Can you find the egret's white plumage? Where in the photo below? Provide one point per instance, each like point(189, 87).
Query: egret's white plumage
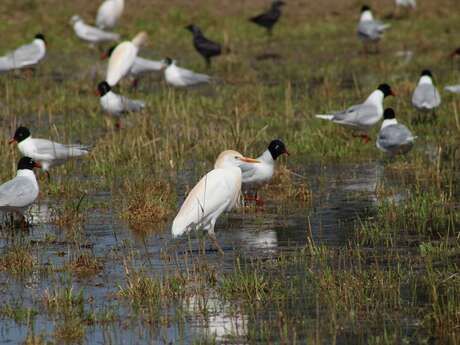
point(17, 194)
point(90, 33)
point(122, 58)
point(426, 96)
point(394, 138)
point(362, 116)
point(115, 104)
point(215, 193)
point(108, 13)
point(47, 153)
point(181, 77)
point(25, 56)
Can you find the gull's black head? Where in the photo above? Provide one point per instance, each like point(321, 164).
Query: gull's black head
point(386, 89)
point(426, 72)
point(388, 114)
point(168, 61)
point(40, 37)
point(102, 88)
point(278, 3)
point(27, 163)
point(365, 8)
point(277, 148)
point(21, 134)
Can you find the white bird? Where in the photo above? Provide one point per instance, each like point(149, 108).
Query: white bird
point(394, 138)
point(363, 116)
point(426, 96)
point(217, 192)
point(122, 58)
point(17, 194)
point(406, 3)
point(453, 88)
point(108, 13)
point(46, 152)
point(90, 33)
point(26, 55)
point(140, 65)
point(255, 175)
point(369, 29)
point(181, 77)
point(117, 105)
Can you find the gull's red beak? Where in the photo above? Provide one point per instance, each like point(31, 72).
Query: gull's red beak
point(12, 141)
point(286, 152)
point(393, 93)
point(104, 56)
point(98, 94)
point(37, 165)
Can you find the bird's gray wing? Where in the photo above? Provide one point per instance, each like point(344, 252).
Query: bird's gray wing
point(132, 105)
point(371, 29)
point(27, 54)
point(426, 96)
point(18, 192)
point(59, 151)
point(96, 34)
point(193, 78)
point(360, 115)
point(142, 65)
point(394, 136)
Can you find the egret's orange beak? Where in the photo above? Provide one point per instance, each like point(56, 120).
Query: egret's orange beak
point(37, 165)
point(12, 141)
point(248, 160)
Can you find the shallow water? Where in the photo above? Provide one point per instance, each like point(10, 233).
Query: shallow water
point(342, 195)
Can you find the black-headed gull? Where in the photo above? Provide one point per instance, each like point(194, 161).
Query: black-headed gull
point(117, 105)
point(48, 153)
point(217, 192)
point(365, 115)
point(369, 29)
point(122, 58)
point(426, 96)
point(90, 33)
point(108, 13)
point(26, 55)
point(394, 138)
point(204, 46)
point(17, 194)
point(181, 77)
point(255, 175)
point(270, 18)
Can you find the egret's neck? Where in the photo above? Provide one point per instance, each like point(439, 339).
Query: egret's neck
point(388, 122)
point(366, 15)
point(266, 157)
point(375, 98)
point(26, 173)
point(425, 80)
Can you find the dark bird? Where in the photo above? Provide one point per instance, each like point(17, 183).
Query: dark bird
point(269, 18)
point(204, 46)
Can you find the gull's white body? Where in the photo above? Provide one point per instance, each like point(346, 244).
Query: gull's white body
point(217, 192)
point(92, 34)
point(370, 29)
point(25, 56)
point(394, 138)
point(259, 173)
point(406, 3)
point(122, 59)
point(426, 97)
point(143, 66)
point(362, 116)
point(49, 153)
point(181, 77)
point(109, 13)
point(117, 105)
point(17, 194)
